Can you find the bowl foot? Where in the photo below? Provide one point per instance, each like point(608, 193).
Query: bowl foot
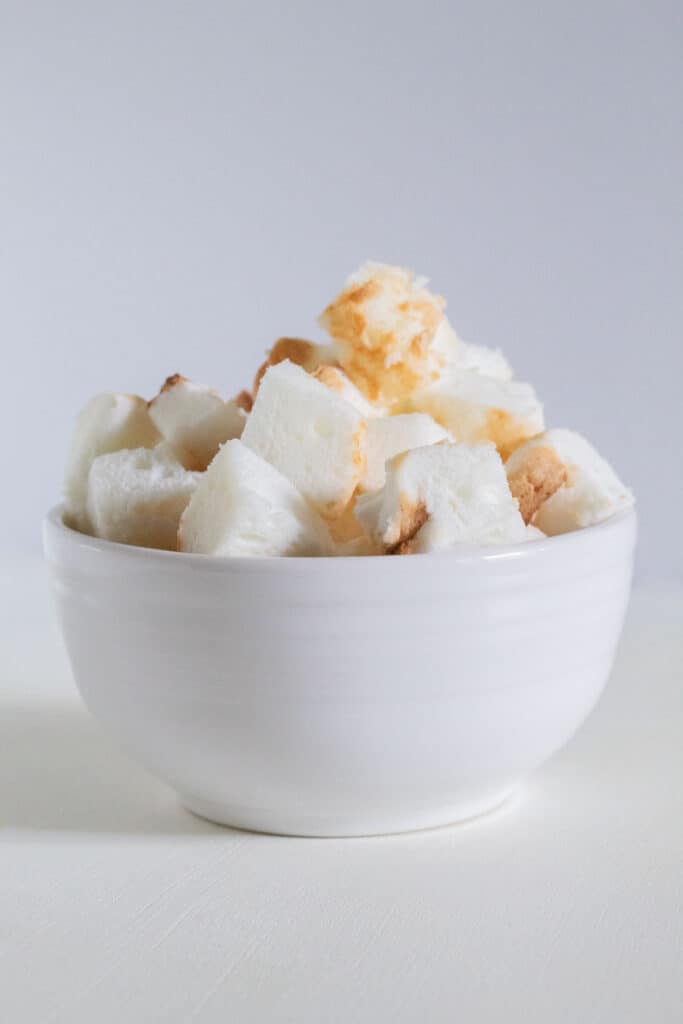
point(322, 826)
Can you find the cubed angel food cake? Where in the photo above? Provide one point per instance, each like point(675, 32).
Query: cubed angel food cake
point(392, 437)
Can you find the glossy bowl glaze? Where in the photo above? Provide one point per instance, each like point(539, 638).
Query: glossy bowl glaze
point(343, 696)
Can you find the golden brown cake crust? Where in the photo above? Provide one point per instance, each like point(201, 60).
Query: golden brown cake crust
point(170, 383)
point(506, 431)
point(297, 350)
point(244, 401)
point(412, 518)
point(541, 474)
point(383, 356)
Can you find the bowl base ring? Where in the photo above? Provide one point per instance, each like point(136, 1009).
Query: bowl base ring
point(340, 827)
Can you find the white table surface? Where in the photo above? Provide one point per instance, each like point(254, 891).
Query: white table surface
point(116, 905)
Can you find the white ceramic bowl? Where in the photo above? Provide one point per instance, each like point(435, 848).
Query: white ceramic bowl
point(347, 696)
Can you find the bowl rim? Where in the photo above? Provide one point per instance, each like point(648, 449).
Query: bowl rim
point(54, 522)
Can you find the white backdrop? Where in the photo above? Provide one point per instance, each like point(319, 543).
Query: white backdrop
point(180, 183)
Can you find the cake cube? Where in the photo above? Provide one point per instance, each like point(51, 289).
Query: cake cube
point(310, 434)
point(442, 496)
point(390, 333)
point(195, 420)
point(136, 496)
point(244, 507)
point(588, 492)
point(109, 422)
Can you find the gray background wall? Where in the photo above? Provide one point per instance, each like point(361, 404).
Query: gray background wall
point(182, 182)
